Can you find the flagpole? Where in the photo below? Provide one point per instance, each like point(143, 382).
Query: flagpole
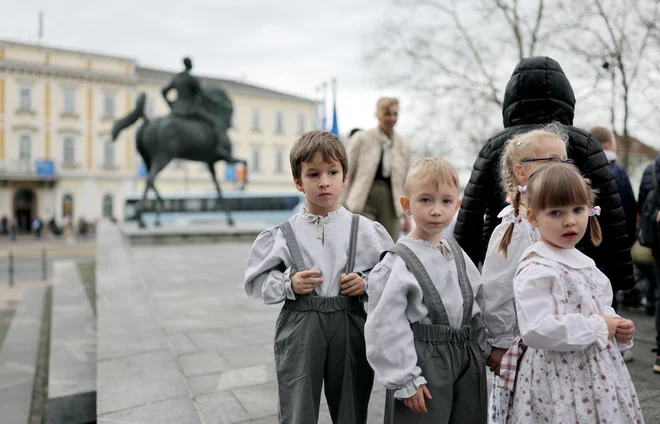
point(335, 124)
point(41, 26)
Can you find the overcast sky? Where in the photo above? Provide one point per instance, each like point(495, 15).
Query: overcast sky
point(289, 45)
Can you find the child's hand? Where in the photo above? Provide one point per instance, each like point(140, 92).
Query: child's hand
point(352, 285)
point(303, 282)
point(612, 323)
point(625, 330)
point(495, 359)
point(416, 401)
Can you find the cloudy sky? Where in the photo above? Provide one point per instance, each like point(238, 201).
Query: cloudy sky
point(289, 45)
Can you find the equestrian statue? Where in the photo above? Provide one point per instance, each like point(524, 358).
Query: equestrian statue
point(195, 129)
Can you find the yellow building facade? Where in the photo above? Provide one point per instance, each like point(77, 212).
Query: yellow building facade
point(57, 108)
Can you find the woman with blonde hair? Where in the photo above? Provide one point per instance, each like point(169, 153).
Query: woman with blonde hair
point(378, 161)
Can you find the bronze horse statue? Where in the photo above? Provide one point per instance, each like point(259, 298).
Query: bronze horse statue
point(174, 137)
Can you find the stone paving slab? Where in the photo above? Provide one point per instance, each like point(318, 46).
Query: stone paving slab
point(197, 291)
point(72, 368)
point(138, 377)
point(18, 357)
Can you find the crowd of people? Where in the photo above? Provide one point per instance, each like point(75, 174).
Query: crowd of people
point(525, 289)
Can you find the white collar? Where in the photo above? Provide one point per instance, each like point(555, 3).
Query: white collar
point(572, 258)
point(610, 155)
point(522, 211)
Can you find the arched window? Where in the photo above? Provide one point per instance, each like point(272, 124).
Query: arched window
point(69, 151)
point(109, 152)
point(107, 206)
point(25, 148)
point(67, 205)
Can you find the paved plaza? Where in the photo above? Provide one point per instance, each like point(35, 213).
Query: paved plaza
point(223, 341)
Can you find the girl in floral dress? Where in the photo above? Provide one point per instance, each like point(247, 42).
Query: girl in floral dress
point(572, 370)
point(522, 154)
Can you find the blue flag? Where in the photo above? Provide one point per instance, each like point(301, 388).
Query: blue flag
point(335, 125)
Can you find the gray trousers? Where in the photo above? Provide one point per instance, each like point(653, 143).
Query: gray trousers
point(320, 340)
point(455, 370)
point(380, 208)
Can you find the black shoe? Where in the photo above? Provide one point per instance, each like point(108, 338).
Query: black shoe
point(650, 310)
point(656, 366)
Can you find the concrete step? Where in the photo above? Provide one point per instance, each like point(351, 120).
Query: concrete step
point(18, 356)
point(72, 369)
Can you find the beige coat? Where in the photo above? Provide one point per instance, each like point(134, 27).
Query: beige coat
point(364, 150)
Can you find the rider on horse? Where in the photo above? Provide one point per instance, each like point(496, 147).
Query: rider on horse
point(192, 102)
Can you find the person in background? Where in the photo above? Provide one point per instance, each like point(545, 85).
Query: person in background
point(378, 161)
point(645, 187)
point(537, 94)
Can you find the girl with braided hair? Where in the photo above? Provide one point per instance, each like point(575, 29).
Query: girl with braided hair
point(524, 153)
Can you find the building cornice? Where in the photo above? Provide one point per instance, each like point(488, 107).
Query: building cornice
point(36, 69)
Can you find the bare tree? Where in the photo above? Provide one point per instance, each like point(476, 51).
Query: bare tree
point(616, 41)
point(456, 56)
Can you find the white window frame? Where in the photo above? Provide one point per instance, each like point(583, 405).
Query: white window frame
point(67, 139)
point(69, 100)
point(109, 152)
point(256, 120)
point(109, 99)
point(25, 105)
point(279, 122)
point(256, 165)
point(22, 149)
point(280, 166)
point(108, 202)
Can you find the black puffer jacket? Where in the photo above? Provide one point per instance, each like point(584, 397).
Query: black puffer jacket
point(539, 93)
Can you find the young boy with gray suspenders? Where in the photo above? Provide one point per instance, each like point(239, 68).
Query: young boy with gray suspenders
point(317, 263)
point(425, 334)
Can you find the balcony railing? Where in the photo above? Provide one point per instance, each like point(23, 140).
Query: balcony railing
point(27, 169)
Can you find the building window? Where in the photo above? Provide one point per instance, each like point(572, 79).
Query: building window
point(150, 109)
point(25, 98)
point(109, 105)
point(25, 148)
point(256, 159)
point(69, 151)
point(256, 120)
point(67, 206)
point(279, 122)
point(69, 95)
point(234, 118)
point(109, 152)
point(107, 206)
point(301, 123)
point(279, 161)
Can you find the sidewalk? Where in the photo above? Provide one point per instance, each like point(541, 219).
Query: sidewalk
point(27, 246)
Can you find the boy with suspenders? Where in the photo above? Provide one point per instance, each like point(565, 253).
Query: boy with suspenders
point(317, 264)
point(425, 335)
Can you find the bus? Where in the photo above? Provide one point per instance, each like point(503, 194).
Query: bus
point(269, 208)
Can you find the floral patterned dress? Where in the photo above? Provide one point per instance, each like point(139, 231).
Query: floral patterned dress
point(571, 372)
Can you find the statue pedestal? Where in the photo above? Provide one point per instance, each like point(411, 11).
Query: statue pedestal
point(191, 234)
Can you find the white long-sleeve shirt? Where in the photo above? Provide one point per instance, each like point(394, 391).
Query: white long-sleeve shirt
point(324, 246)
point(396, 301)
point(560, 294)
point(497, 276)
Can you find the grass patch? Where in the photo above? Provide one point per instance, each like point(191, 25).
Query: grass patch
point(87, 271)
point(39, 406)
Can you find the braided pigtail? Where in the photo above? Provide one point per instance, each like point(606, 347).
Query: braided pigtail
point(508, 234)
point(596, 232)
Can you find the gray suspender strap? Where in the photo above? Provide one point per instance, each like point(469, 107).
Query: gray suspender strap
point(431, 296)
point(292, 244)
point(352, 244)
point(463, 280)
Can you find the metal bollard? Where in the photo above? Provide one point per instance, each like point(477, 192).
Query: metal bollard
point(44, 265)
point(11, 268)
